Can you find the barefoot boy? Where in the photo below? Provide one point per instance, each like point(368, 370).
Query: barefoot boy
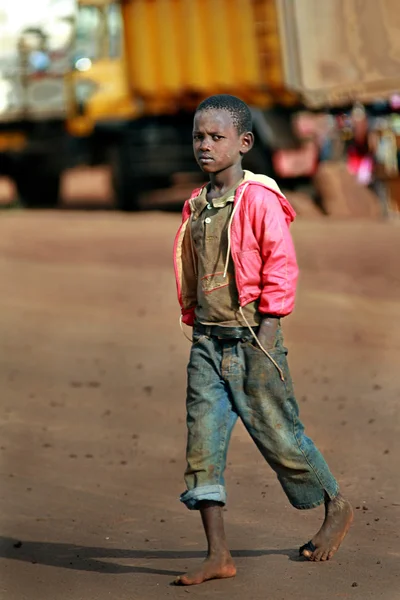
point(236, 275)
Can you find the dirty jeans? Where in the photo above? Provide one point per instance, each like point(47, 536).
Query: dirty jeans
point(231, 377)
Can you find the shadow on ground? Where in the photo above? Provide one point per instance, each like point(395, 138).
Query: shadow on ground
point(83, 558)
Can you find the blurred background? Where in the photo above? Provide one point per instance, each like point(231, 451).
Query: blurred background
point(96, 108)
point(104, 91)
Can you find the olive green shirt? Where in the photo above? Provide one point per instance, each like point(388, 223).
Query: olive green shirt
point(217, 296)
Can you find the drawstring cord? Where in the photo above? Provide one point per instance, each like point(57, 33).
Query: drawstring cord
point(189, 227)
point(224, 275)
point(228, 254)
point(240, 308)
point(183, 331)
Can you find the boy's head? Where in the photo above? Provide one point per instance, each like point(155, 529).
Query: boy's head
point(221, 132)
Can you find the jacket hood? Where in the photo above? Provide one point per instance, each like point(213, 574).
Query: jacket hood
point(270, 184)
point(265, 181)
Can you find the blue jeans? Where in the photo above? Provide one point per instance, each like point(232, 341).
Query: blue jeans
point(231, 377)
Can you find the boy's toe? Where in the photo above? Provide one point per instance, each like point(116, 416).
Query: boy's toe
point(317, 556)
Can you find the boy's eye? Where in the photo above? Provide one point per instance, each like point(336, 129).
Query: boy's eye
point(199, 137)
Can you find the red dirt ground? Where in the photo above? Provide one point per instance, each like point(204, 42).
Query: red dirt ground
point(92, 375)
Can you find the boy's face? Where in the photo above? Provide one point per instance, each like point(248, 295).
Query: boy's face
point(217, 144)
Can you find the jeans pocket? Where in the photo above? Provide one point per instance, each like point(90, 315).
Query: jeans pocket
point(269, 363)
point(276, 344)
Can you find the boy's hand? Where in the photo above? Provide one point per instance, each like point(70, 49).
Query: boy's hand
point(267, 332)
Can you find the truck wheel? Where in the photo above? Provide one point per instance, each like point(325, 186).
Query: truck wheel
point(38, 189)
point(127, 194)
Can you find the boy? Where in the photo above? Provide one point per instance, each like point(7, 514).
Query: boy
point(236, 274)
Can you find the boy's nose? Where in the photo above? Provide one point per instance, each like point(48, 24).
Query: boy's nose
point(205, 144)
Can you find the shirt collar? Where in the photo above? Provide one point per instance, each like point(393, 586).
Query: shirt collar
point(199, 203)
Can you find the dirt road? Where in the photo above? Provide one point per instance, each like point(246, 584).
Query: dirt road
point(92, 374)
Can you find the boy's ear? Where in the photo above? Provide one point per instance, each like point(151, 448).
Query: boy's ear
point(247, 142)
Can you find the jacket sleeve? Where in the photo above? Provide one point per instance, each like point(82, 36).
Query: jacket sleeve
point(279, 271)
point(184, 271)
point(188, 316)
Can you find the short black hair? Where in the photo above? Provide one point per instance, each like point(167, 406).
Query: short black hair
point(239, 111)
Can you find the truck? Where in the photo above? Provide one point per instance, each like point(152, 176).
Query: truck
point(116, 82)
point(34, 61)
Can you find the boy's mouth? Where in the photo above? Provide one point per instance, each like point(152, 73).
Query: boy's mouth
point(205, 158)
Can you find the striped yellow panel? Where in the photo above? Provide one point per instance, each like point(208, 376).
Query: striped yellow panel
point(180, 49)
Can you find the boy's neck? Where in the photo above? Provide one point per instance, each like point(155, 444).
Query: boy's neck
point(225, 180)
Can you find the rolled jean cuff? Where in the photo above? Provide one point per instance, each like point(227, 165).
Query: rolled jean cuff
point(212, 493)
point(330, 491)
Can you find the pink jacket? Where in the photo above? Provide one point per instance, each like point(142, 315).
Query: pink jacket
point(260, 244)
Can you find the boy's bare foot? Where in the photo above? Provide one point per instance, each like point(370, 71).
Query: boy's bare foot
point(218, 567)
point(338, 518)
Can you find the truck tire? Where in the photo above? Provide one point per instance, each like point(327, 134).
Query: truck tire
point(38, 189)
point(127, 194)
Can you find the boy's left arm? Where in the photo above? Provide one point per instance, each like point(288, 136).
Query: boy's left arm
point(279, 264)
